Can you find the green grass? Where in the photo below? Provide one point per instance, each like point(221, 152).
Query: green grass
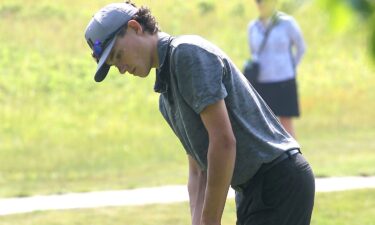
point(62, 132)
point(344, 208)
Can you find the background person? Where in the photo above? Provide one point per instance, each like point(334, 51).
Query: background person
point(278, 60)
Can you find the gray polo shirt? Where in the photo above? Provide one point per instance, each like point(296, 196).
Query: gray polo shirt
point(194, 74)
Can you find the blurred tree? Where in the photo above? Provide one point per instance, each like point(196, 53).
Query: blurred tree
point(345, 13)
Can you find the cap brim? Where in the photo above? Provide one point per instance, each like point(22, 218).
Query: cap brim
point(103, 67)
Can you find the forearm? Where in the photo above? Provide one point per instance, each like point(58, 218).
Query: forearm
point(300, 51)
point(221, 159)
point(300, 47)
point(196, 188)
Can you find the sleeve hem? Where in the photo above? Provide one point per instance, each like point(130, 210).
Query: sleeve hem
point(208, 101)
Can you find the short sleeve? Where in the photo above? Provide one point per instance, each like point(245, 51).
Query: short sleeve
point(296, 37)
point(250, 40)
point(199, 74)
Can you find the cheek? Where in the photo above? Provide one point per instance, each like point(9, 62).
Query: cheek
point(125, 60)
point(130, 54)
point(136, 58)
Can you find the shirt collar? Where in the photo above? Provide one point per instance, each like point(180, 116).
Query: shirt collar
point(161, 83)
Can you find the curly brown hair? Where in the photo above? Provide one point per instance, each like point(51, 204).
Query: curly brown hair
point(144, 18)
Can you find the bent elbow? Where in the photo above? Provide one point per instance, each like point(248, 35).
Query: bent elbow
point(233, 142)
point(228, 142)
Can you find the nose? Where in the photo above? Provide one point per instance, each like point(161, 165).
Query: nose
point(122, 68)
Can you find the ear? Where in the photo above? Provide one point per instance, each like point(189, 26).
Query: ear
point(133, 24)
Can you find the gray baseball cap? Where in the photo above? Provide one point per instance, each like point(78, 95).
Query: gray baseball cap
point(101, 33)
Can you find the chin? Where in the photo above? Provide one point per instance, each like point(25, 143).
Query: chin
point(143, 74)
point(140, 75)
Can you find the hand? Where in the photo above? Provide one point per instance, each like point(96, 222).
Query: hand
point(212, 222)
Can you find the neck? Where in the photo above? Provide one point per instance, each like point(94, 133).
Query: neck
point(267, 16)
point(154, 51)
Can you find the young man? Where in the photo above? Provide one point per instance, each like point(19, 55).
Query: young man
point(229, 134)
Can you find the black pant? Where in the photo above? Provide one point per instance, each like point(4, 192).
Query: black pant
point(281, 195)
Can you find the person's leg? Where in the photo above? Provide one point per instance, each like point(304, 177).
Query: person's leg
point(284, 195)
point(287, 123)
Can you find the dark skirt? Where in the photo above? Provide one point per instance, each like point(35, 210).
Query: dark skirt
point(281, 97)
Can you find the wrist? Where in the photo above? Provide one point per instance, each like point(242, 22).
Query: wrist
point(210, 223)
point(206, 220)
